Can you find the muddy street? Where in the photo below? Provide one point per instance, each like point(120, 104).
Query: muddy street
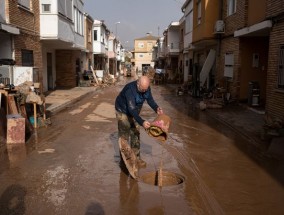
point(73, 166)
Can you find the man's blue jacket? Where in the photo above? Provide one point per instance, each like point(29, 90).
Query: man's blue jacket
point(130, 101)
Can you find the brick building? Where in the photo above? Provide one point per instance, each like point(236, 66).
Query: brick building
point(275, 70)
point(26, 48)
point(242, 61)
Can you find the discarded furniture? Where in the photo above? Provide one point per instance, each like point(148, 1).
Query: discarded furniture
point(15, 129)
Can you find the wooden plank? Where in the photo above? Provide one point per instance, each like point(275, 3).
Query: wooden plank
point(128, 157)
point(12, 105)
point(5, 96)
point(29, 125)
point(94, 74)
point(35, 116)
point(207, 66)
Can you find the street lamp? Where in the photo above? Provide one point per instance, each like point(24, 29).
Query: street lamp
point(116, 28)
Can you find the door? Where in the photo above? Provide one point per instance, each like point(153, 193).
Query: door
point(49, 72)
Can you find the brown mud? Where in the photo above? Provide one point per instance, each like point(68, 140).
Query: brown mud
point(73, 166)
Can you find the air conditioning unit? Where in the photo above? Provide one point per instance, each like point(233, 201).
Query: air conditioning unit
point(219, 27)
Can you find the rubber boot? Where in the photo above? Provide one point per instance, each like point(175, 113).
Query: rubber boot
point(141, 163)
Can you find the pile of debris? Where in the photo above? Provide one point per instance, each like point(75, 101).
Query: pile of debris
point(90, 79)
point(23, 108)
point(273, 127)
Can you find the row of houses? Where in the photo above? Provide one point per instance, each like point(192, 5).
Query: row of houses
point(234, 44)
point(53, 42)
point(231, 44)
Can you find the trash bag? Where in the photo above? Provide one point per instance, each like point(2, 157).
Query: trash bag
point(159, 128)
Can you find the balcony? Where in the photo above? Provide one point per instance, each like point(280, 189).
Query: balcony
point(58, 32)
point(99, 48)
point(172, 49)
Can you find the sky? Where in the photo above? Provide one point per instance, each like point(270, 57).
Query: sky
point(136, 17)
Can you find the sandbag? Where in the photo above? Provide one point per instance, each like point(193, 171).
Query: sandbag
point(160, 127)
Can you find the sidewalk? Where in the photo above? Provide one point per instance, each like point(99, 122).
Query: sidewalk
point(57, 100)
point(243, 119)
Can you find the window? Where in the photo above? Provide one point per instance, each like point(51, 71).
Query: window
point(172, 45)
point(95, 35)
point(199, 12)
point(24, 3)
point(78, 21)
point(281, 68)
point(65, 8)
point(231, 7)
point(27, 57)
point(69, 7)
point(141, 45)
point(61, 7)
point(188, 22)
point(229, 65)
point(75, 18)
point(89, 35)
point(46, 8)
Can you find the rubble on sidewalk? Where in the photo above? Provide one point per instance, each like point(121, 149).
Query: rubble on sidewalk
point(90, 79)
point(23, 103)
point(273, 127)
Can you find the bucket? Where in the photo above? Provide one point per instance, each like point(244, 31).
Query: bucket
point(32, 120)
point(159, 128)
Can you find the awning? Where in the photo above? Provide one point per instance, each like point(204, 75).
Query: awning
point(9, 28)
point(259, 29)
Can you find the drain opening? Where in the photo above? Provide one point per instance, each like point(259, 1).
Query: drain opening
point(163, 178)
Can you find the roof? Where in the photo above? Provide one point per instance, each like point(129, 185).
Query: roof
point(148, 37)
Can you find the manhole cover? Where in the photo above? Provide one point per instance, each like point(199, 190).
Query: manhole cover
point(164, 178)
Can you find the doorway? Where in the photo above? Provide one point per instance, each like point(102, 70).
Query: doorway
point(49, 72)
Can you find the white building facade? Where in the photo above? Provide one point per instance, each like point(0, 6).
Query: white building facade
point(62, 36)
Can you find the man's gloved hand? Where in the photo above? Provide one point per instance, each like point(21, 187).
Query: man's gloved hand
point(146, 124)
point(160, 111)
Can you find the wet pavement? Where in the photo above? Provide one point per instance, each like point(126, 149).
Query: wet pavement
point(73, 166)
point(60, 99)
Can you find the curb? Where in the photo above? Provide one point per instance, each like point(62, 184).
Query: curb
point(63, 106)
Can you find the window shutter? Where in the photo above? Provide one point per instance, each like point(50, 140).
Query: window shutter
point(25, 3)
point(69, 7)
point(61, 7)
point(281, 68)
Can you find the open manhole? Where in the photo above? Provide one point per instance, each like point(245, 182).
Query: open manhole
point(164, 178)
